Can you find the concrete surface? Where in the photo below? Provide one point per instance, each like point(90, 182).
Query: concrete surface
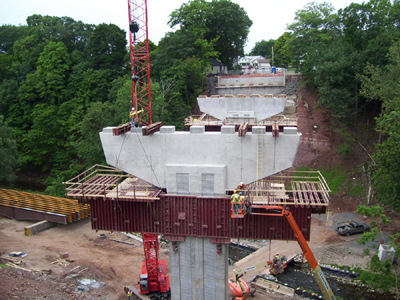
point(166, 156)
point(252, 107)
point(197, 270)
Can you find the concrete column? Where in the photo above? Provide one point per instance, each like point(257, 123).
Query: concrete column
point(197, 271)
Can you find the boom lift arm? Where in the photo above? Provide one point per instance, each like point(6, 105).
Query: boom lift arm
point(278, 211)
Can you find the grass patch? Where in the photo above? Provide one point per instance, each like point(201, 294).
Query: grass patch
point(377, 281)
point(344, 149)
point(356, 191)
point(335, 178)
point(4, 266)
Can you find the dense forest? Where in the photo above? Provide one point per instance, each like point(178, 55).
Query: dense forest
point(62, 81)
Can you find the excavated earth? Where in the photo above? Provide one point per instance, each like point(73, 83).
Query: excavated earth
point(97, 265)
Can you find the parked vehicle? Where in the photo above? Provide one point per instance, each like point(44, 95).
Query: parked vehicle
point(351, 227)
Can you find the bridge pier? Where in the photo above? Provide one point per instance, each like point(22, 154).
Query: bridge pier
point(198, 269)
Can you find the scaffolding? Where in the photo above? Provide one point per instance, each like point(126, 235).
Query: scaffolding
point(299, 188)
point(110, 183)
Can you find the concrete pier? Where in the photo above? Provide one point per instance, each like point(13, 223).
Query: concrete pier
point(198, 269)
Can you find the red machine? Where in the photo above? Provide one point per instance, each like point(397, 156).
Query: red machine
point(140, 59)
point(239, 287)
point(278, 211)
point(153, 277)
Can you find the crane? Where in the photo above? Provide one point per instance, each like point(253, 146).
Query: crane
point(279, 211)
point(140, 59)
point(153, 277)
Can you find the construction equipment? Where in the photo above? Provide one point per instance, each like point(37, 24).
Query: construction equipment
point(238, 286)
point(278, 211)
point(140, 59)
point(153, 277)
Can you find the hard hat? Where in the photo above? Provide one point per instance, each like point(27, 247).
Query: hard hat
point(234, 191)
point(241, 183)
point(133, 108)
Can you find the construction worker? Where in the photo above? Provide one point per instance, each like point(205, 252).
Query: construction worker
point(235, 202)
point(133, 115)
point(241, 186)
point(130, 297)
point(277, 258)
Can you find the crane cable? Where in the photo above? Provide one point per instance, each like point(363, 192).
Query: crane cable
point(123, 142)
point(147, 157)
point(148, 160)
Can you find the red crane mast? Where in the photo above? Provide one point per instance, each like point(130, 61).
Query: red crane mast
point(140, 59)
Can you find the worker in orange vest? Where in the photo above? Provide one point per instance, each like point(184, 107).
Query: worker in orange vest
point(241, 186)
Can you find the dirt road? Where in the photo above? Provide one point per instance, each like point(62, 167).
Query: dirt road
point(106, 265)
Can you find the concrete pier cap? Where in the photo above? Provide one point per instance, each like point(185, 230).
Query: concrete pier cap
point(200, 162)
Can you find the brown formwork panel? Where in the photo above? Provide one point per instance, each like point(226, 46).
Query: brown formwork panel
point(210, 217)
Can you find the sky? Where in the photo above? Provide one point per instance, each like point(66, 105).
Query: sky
point(270, 18)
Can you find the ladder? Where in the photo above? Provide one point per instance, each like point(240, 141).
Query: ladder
point(260, 152)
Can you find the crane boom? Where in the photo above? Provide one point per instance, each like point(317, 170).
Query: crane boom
point(140, 59)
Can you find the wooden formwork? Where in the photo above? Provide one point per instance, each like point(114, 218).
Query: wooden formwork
point(110, 183)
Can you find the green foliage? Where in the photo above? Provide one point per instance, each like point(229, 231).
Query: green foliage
point(282, 51)
point(369, 236)
point(9, 34)
point(219, 26)
point(357, 191)
point(51, 72)
point(369, 211)
point(8, 153)
point(344, 149)
point(377, 280)
point(335, 178)
point(383, 84)
point(367, 251)
point(263, 48)
point(332, 50)
point(313, 29)
point(106, 47)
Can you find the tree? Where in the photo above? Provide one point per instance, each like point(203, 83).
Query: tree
point(313, 29)
point(383, 84)
point(282, 51)
point(107, 47)
point(263, 48)
point(219, 24)
point(9, 34)
point(336, 79)
point(174, 46)
point(52, 73)
point(371, 27)
point(8, 153)
point(88, 146)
